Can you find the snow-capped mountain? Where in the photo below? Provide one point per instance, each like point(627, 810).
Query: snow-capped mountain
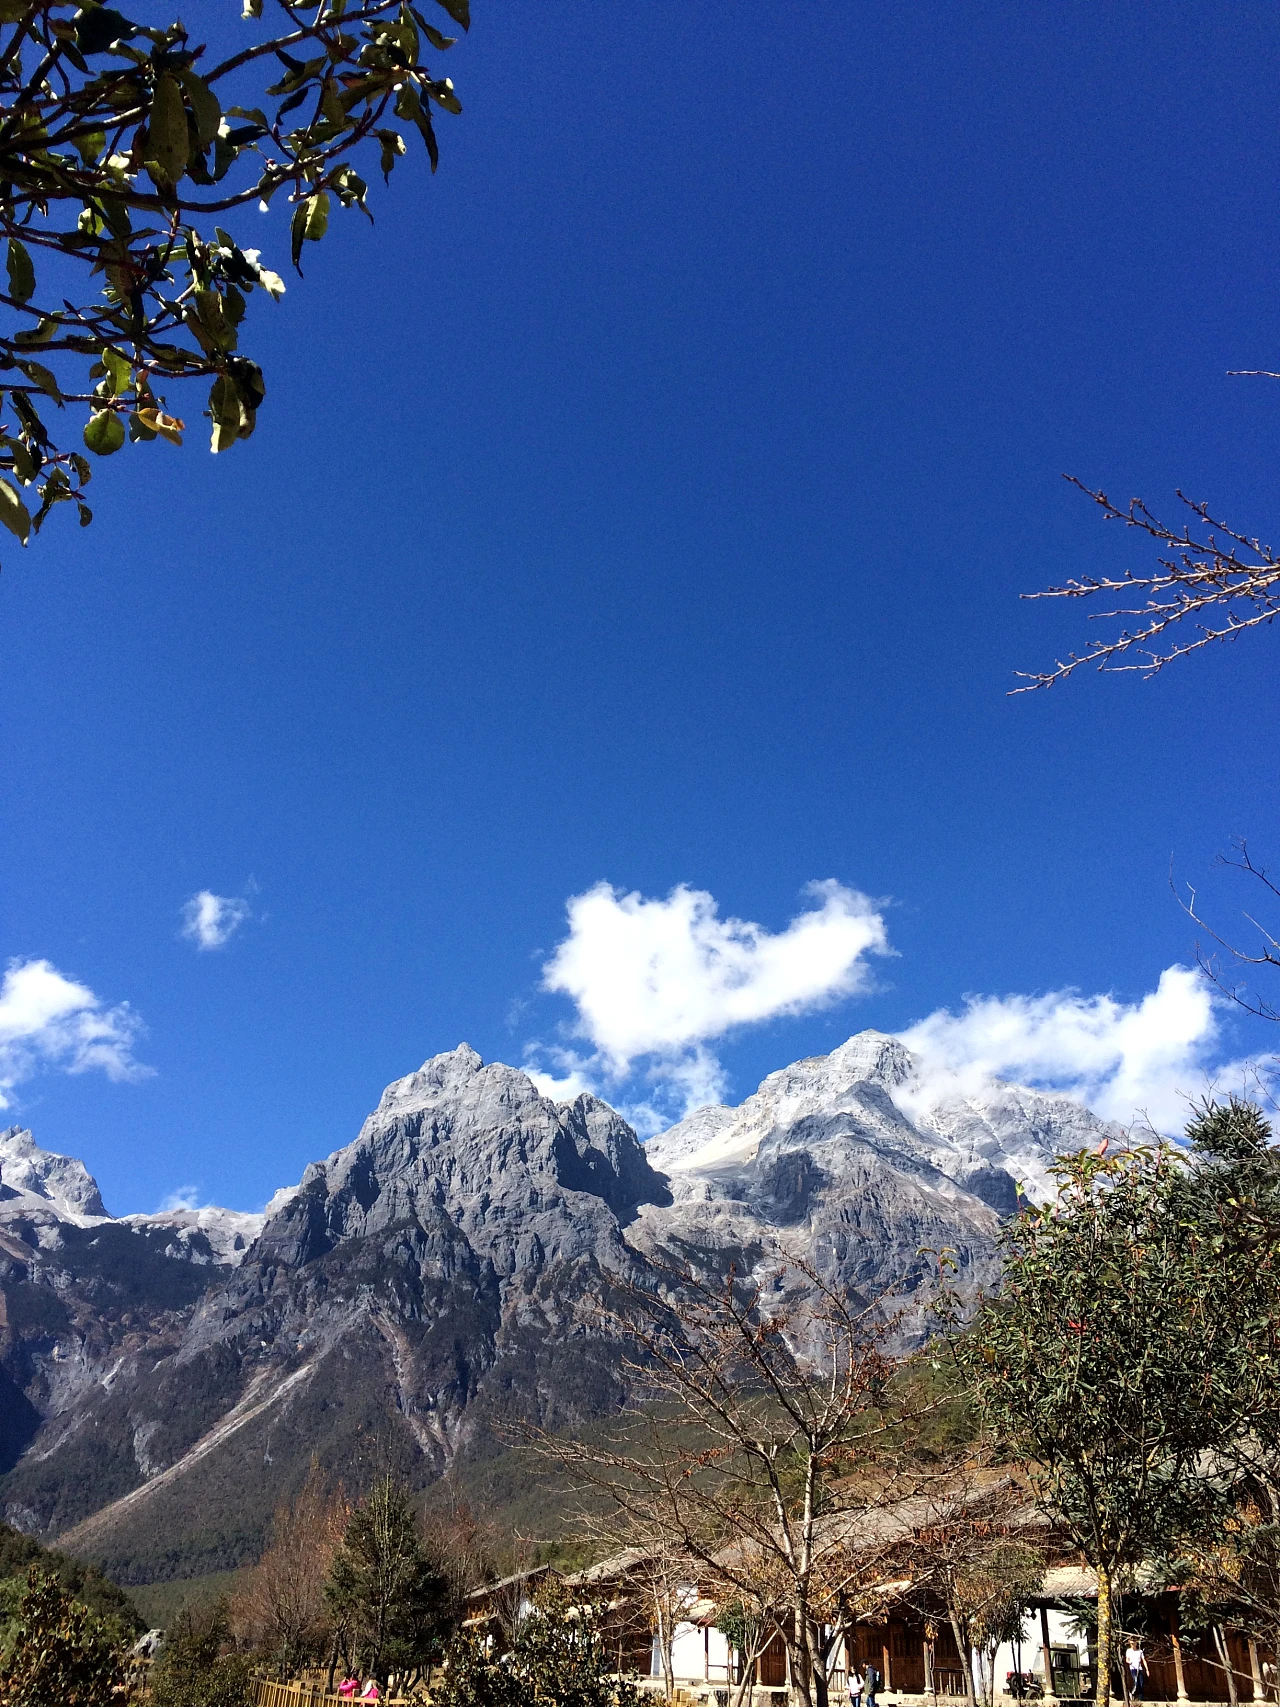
point(42, 1193)
point(874, 1092)
point(438, 1274)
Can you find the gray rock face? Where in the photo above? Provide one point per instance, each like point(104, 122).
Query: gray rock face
point(437, 1275)
point(59, 1184)
point(526, 1181)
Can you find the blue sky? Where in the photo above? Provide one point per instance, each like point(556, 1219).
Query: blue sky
point(645, 500)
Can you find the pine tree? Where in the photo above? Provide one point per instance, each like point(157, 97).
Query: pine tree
point(389, 1603)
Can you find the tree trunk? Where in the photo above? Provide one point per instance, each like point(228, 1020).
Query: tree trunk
point(817, 1665)
point(1102, 1660)
point(747, 1666)
point(796, 1638)
point(666, 1645)
point(1220, 1642)
point(966, 1656)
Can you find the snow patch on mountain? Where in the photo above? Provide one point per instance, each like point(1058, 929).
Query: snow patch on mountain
point(874, 1092)
point(39, 1179)
point(41, 1192)
point(204, 1235)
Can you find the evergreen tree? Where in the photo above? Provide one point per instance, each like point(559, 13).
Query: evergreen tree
point(1106, 1363)
point(389, 1602)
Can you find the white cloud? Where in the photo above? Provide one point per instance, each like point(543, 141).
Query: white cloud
point(655, 981)
point(209, 920)
point(48, 1020)
point(1124, 1060)
point(185, 1197)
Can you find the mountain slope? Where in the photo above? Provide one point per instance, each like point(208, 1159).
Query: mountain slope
point(436, 1277)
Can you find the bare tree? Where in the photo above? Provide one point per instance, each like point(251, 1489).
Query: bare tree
point(281, 1606)
point(1265, 952)
point(969, 1549)
point(1219, 582)
point(763, 1431)
point(654, 1578)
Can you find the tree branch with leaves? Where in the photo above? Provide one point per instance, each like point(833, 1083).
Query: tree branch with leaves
point(125, 152)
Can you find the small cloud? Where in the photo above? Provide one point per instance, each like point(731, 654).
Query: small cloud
point(185, 1197)
point(50, 1021)
point(209, 920)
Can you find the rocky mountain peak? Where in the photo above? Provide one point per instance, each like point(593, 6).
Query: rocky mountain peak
point(524, 1179)
point(61, 1182)
point(441, 1274)
point(444, 1075)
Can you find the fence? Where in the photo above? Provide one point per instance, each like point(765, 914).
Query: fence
point(267, 1693)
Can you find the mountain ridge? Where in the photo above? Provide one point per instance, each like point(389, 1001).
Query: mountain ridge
point(438, 1275)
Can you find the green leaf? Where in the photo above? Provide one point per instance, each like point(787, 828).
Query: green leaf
point(225, 408)
point(119, 369)
point(168, 142)
point(13, 512)
point(252, 9)
point(104, 433)
point(392, 147)
point(90, 146)
point(214, 319)
point(24, 464)
point(437, 40)
point(408, 106)
point(224, 158)
point(249, 383)
point(98, 26)
point(310, 222)
point(205, 108)
point(458, 10)
point(41, 334)
point(40, 375)
point(22, 274)
point(443, 94)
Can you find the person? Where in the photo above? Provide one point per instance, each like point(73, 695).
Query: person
point(1139, 1670)
point(348, 1687)
point(855, 1687)
point(870, 1684)
point(370, 1690)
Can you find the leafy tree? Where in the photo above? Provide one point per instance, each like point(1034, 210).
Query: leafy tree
point(748, 1631)
point(1229, 1569)
point(122, 146)
point(1105, 1363)
point(475, 1677)
point(389, 1602)
point(85, 1583)
point(61, 1651)
point(194, 1670)
point(560, 1657)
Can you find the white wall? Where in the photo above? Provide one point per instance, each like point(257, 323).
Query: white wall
point(696, 1653)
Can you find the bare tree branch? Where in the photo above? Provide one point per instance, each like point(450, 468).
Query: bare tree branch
point(1218, 581)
